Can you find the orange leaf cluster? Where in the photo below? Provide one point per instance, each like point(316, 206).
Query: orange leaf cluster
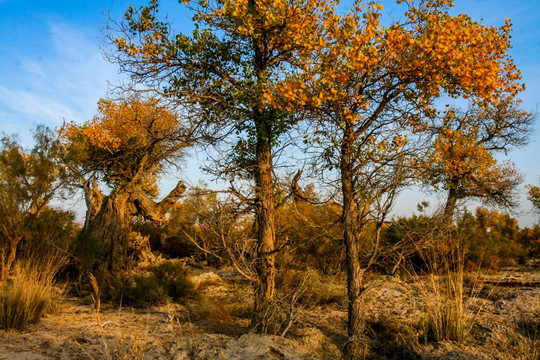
point(120, 126)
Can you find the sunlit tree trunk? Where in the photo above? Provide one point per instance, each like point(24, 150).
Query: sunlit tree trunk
point(451, 200)
point(264, 189)
point(264, 214)
point(111, 226)
point(355, 325)
point(7, 260)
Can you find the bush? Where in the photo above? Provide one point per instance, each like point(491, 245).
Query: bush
point(217, 316)
point(156, 285)
point(390, 338)
point(87, 251)
point(29, 294)
point(318, 290)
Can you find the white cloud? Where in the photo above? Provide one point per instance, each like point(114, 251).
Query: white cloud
point(64, 84)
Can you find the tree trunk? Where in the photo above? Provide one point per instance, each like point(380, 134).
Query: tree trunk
point(111, 226)
point(7, 262)
point(450, 206)
point(93, 198)
point(355, 325)
point(156, 211)
point(264, 188)
point(264, 214)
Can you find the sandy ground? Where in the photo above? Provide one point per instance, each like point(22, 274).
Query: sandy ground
point(507, 310)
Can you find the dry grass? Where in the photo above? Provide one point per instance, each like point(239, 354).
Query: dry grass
point(444, 290)
point(30, 293)
point(125, 345)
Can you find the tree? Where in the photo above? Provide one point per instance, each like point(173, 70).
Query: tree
point(229, 68)
point(127, 146)
point(462, 160)
point(28, 182)
point(370, 85)
point(534, 196)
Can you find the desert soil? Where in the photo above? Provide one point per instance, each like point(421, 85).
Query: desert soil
point(507, 310)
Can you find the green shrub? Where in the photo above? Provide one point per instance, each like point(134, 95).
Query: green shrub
point(87, 252)
point(156, 285)
point(29, 294)
point(172, 276)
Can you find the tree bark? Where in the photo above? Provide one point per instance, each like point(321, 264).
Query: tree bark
point(264, 188)
point(264, 213)
point(450, 206)
point(7, 262)
point(355, 326)
point(93, 198)
point(111, 226)
point(156, 211)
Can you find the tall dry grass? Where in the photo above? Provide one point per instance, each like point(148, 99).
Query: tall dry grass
point(451, 296)
point(29, 293)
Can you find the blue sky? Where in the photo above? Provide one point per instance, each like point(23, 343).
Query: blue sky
point(52, 68)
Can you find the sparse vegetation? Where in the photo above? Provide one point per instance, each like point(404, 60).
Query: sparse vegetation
point(152, 285)
point(314, 119)
point(29, 293)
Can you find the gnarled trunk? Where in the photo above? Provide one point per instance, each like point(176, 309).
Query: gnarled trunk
point(93, 198)
point(111, 227)
point(109, 221)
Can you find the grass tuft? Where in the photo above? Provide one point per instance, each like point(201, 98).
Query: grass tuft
point(29, 293)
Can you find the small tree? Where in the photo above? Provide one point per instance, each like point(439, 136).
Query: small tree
point(28, 182)
point(462, 160)
point(534, 196)
point(127, 146)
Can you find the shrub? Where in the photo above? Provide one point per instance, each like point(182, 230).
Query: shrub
point(29, 294)
point(318, 289)
point(155, 285)
point(390, 338)
point(218, 316)
point(87, 251)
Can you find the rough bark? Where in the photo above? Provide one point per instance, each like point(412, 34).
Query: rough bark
point(93, 198)
point(264, 213)
point(156, 211)
point(450, 206)
point(264, 190)
point(355, 325)
point(111, 226)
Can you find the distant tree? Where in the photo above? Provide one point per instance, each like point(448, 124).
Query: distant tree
point(462, 160)
point(490, 238)
point(530, 240)
point(534, 196)
point(126, 147)
point(29, 179)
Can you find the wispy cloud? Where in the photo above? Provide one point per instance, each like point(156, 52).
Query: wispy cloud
point(64, 84)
